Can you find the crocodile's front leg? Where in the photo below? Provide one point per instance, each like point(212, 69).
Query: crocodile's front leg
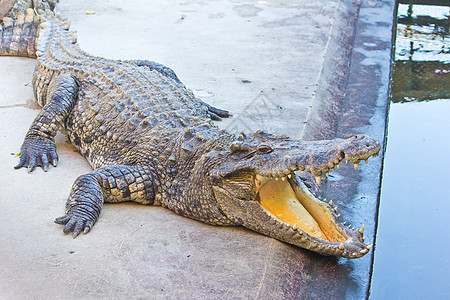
point(39, 149)
point(107, 184)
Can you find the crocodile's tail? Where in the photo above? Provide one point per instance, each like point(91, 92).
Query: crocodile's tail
point(18, 37)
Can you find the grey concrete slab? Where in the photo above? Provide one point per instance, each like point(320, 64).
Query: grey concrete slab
point(5, 6)
point(276, 66)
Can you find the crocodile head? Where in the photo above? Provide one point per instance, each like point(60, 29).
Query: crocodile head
point(257, 187)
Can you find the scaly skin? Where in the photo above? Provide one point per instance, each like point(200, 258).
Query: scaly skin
point(149, 140)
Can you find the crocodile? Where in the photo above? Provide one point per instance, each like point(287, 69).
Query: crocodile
point(149, 140)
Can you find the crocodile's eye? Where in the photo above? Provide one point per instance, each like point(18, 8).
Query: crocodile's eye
point(357, 137)
point(263, 149)
point(237, 146)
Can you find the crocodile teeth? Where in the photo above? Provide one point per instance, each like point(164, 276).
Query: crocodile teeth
point(283, 178)
point(356, 166)
point(318, 179)
point(364, 251)
point(366, 160)
point(337, 166)
point(362, 229)
point(289, 176)
point(331, 202)
point(369, 246)
point(341, 246)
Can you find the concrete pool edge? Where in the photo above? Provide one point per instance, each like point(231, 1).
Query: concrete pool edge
point(355, 101)
point(365, 109)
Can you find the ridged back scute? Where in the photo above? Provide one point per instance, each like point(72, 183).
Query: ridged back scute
point(18, 37)
point(24, 36)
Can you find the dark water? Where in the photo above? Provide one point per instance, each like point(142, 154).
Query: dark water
point(412, 251)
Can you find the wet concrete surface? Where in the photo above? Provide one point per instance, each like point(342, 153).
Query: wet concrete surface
point(288, 67)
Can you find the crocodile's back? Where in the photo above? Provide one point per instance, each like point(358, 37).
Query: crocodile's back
point(121, 106)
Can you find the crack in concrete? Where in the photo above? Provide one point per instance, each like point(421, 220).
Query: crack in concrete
point(31, 104)
point(266, 259)
point(14, 105)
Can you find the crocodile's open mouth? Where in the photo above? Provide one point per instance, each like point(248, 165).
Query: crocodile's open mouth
point(289, 200)
point(260, 190)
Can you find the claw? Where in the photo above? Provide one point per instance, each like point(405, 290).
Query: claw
point(217, 113)
point(78, 228)
point(70, 225)
point(62, 220)
point(214, 116)
point(31, 168)
point(21, 162)
point(87, 229)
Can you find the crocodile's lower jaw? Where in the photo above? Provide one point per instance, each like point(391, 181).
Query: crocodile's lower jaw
point(297, 208)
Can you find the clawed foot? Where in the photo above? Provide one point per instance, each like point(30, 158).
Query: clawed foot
point(75, 224)
point(37, 152)
point(83, 206)
point(80, 218)
point(217, 114)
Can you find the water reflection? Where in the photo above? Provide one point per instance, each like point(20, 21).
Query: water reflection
point(411, 251)
point(420, 81)
point(422, 56)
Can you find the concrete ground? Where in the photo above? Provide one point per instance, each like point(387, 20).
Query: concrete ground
point(311, 69)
